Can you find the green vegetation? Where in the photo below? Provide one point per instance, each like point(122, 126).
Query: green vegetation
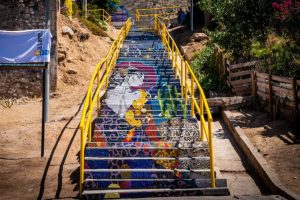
point(257, 29)
point(204, 65)
point(93, 21)
point(108, 5)
point(277, 54)
point(94, 28)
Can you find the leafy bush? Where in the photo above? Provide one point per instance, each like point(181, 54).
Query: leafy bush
point(94, 28)
point(279, 56)
point(238, 22)
point(206, 70)
point(95, 17)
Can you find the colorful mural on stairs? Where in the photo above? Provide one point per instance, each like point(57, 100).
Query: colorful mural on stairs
point(144, 124)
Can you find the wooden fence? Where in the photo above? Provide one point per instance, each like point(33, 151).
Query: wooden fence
point(239, 77)
point(281, 95)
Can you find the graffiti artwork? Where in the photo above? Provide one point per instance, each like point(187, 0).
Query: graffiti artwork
point(144, 124)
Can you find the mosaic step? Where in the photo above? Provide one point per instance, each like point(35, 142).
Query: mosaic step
point(183, 143)
point(149, 80)
point(146, 37)
point(145, 56)
point(137, 50)
point(133, 135)
point(159, 124)
point(153, 62)
point(148, 71)
point(151, 87)
point(107, 111)
point(155, 162)
point(147, 174)
point(103, 184)
point(142, 193)
point(145, 151)
point(121, 58)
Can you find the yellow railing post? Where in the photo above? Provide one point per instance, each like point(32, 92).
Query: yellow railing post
point(186, 82)
point(173, 60)
point(182, 76)
point(98, 84)
point(81, 176)
point(192, 97)
point(155, 22)
point(201, 114)
point(211, 153)
point(176, 64)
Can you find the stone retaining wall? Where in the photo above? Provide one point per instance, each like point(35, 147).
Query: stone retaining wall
point(21, 15)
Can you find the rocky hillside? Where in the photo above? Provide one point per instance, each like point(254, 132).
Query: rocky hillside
point(79, 51)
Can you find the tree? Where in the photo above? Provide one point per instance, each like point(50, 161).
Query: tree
point(238, 22)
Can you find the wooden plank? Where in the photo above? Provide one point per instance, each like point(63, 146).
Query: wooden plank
point(242, 90)
point(261, 80)
point(286, 113)
point(262, 75)
point(242, 81)
point(283, 85)
point(262, 87)
point(282, 79)
point(254, 88)
point(242, 65)
point(262, 95)
point(286, 102)
point(298, 82)
point(282, 91)
point(270, 95)
point(241, 73)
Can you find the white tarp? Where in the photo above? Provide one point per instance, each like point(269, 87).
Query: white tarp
point(30, 46)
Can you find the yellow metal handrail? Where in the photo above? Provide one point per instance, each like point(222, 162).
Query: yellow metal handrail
point(156, 12)
point(101, 75)
point(105, 16)
point(189, 83)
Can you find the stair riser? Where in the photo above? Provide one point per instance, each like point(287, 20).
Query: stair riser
point(148, 164)
point(147, 175)
point(144, 152)
point(153, 63)
point(154, 113)
point(94, 185)
point(153, 90)
point(216, 192)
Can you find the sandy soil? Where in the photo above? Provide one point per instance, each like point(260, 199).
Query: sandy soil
point(188, 45)
point(277, 142)
point(26, 175)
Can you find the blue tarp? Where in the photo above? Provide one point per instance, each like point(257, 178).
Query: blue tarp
point(29, 46)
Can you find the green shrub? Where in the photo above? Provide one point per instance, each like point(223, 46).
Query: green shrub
point(94, 28)
point(279, 55)
point(238, 22)
point(206, 70)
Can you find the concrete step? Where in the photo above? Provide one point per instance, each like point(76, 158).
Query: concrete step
point(145, 151)
point(142, 193)
point(195, 163)
point(121, 124)
point(181, 143)
point(103, 184)
point(147, 174)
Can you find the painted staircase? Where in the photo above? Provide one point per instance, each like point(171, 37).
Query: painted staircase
point(145, 142)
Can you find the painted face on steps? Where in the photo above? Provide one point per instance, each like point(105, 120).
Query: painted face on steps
point(135, 79)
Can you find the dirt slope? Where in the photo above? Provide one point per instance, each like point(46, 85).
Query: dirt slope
point(26, 175)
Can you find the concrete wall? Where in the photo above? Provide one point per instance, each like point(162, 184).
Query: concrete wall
point(22, 15)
